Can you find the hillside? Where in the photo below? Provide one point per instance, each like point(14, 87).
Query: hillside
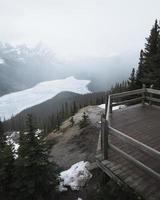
point(52, 107)
point(74, 144)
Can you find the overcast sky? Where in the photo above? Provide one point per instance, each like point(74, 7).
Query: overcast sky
point(77, 28)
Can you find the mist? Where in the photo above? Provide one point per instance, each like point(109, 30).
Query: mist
point(81, 28)
point(99, 40)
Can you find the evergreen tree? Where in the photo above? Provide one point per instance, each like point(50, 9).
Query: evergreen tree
point(140, 71)
point(132, 81)
point(63, 112)
point(6, 173)
point(155, 61)
point(150, 52)
point(85, 121)
point(151, 47)
point(58, 122)
point(72, 121)
point(74, 108)
point(6, 167)
point(66, 109)
point(97, 101)
point(2, 136)
point(35, 175)
point(119, 87)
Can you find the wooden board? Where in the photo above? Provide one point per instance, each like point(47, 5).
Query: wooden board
point(143, 124)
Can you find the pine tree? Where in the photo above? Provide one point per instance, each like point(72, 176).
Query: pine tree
point(72, 121)
point(74, 108)
point(150, 52)
point(66, 110)
point(140, 71)
point(85, 121)
point(58, 122)
point(35, 175)
point(132, 81)
point(6, 167)
point(155, 61)
point(2, 136)
point(63, 112)
point(151, 47)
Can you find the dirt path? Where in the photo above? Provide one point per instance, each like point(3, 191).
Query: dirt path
point(75, 145)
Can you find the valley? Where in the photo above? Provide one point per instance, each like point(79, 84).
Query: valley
point(14, 103)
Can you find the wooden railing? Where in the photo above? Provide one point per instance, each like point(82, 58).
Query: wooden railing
point(144, 95)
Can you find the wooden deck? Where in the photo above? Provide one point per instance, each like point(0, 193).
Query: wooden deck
point(139, 122)
point(134, 164)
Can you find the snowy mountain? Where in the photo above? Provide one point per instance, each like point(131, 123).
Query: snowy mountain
point(14, 103)
point(22, 67)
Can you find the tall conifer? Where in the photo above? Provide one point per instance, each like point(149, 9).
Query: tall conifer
point(35, 174)
point(6, 167)
point(150, 52)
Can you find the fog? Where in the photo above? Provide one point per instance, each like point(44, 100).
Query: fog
point(78, 28)
point(98, 40)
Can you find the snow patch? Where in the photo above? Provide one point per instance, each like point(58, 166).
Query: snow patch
point(14, 103)
point(114, 108)
point(2, 61)
point(11, 140)
point(119, 107)
point(102, 106)
point(75, 177)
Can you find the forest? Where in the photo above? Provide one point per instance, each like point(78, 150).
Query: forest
point(148, 70)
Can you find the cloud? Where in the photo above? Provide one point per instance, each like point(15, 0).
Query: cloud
point(75, 28)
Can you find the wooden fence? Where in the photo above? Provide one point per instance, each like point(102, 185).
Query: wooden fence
point(144, 95)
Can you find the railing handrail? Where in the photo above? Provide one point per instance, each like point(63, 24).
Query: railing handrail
point(128, 93)
point(136, 162)
point(123, 94)
point(111, 97)
point(108, 108)
point(138, 91)
point(153, 91)
point(141, 146)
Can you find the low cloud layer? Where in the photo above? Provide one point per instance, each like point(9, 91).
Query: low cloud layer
point(74, 28)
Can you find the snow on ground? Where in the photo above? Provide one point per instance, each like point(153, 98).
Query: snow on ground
point(102, 106)
point(14, 103)
point(114, 108)
point(12, 139)
point(1, 61)
point(118, 107)
point(75, 177)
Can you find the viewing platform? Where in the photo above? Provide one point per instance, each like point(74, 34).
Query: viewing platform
point(129, 144)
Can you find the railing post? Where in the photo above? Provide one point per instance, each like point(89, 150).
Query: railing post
point(102, 133)
point(104, 137)
point(151, 95)
point(143, 94)
point(110, 105)
point(106, 100)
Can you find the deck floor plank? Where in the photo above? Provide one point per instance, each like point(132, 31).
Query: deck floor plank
point(143, 124)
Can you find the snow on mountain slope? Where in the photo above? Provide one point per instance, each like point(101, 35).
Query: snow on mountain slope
point(14, 103)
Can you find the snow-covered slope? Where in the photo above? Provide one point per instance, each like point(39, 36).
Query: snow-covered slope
point(14, 103)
